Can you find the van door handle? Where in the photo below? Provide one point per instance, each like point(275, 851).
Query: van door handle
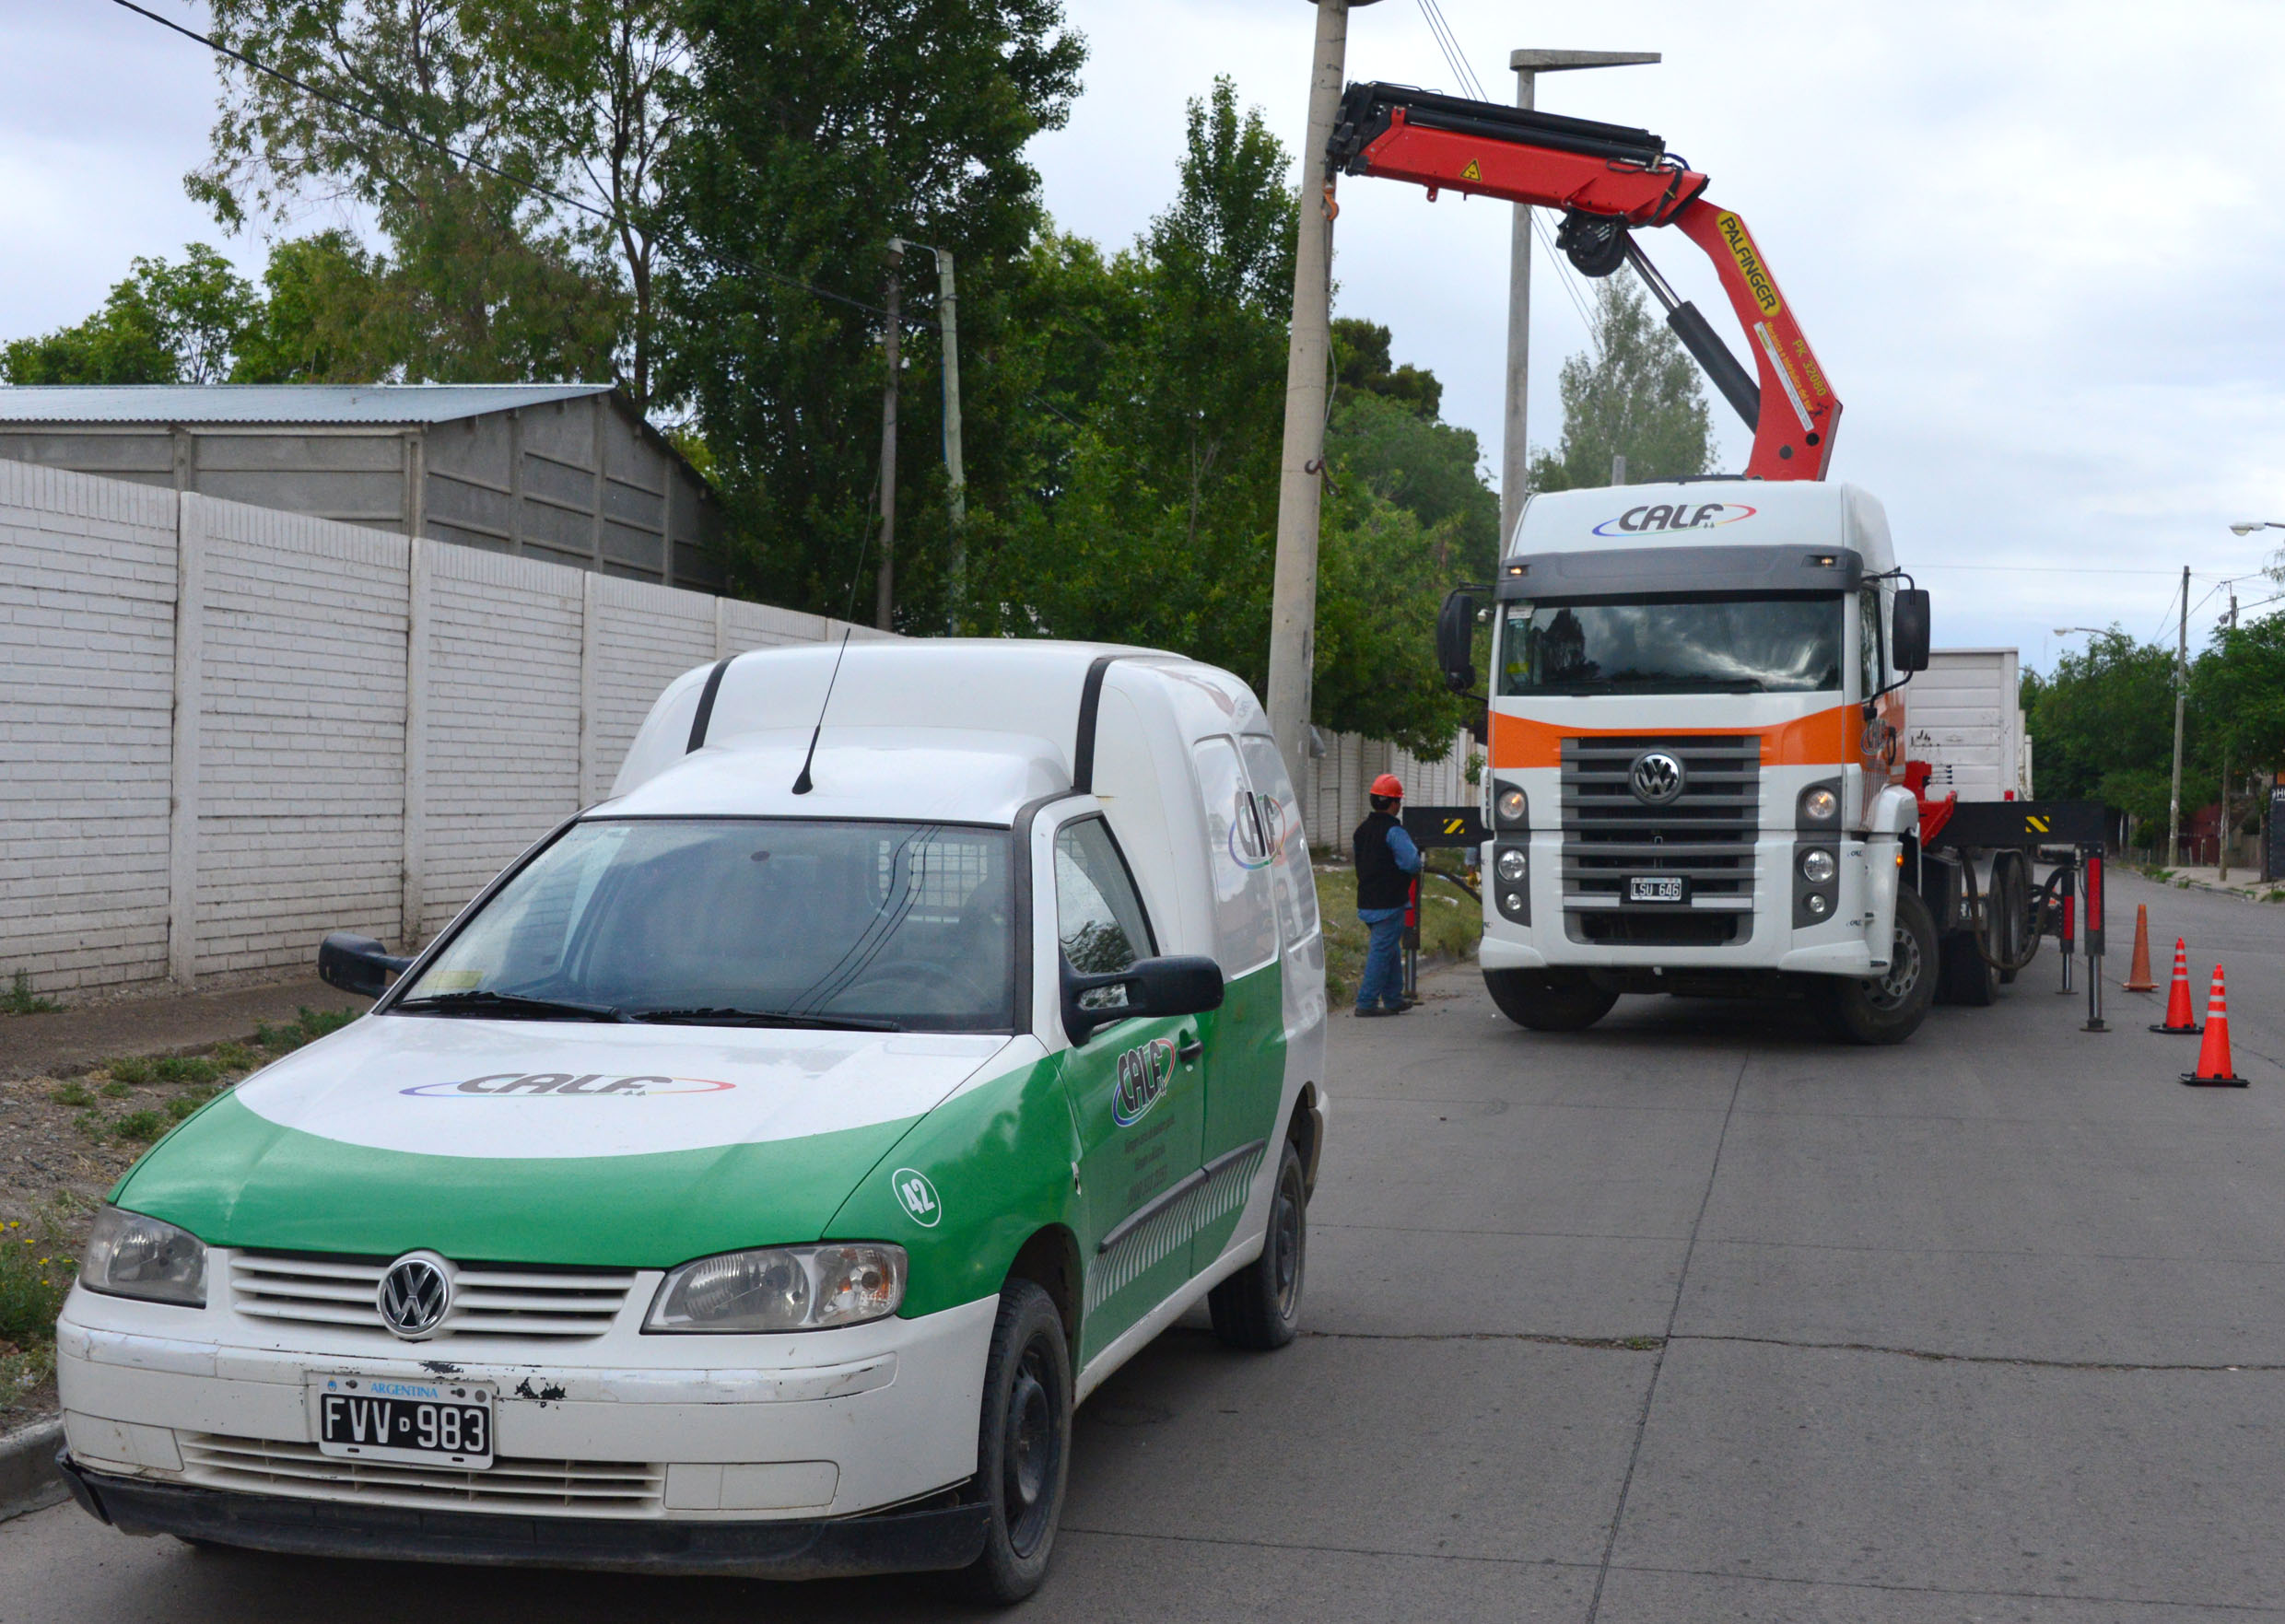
point(1190, 1047)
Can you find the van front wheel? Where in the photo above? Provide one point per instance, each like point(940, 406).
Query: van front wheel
point(1890, 1008)
point(1023, 1446)
point(1549, 1000)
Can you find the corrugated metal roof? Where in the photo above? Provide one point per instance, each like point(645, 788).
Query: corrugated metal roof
point(275, 403)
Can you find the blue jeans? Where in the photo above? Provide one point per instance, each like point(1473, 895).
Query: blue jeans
point(1383, 984)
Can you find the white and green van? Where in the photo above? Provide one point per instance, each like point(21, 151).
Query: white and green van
point(757, 1173)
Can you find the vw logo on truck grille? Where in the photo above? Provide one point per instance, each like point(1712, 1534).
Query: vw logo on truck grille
point(414, 1296)
point(1656, 777)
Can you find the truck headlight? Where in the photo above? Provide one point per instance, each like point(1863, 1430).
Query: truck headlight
point(131, 1256)
point(1819, 805)
point(1513, 865)
point(1509, 808)
point(1817, 865)
point(1511, 901)
point(781, 1288)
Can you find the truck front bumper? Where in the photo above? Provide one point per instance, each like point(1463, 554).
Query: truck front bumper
point(942, 1536)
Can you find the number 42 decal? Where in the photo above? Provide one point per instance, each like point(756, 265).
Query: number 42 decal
point(917, 1196)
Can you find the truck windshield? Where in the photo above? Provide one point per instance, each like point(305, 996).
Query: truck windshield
point(743, 921)
point(1693, 645)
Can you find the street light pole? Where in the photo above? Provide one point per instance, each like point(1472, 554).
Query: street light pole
point(1515, 450)
point(2181, 665)
point(1293, 593)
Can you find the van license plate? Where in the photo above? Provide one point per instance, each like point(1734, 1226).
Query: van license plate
point(413, 1423)
point(1658, 888)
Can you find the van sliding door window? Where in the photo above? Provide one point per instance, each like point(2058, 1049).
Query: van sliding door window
point(1238, 853)
point(1290, 876)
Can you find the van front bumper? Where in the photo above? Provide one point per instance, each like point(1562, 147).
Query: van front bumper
point(936, 1538)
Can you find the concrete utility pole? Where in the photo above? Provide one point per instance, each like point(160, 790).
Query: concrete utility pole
point(1292, 598)
point(2222, 854)
point(884, 591)
point(1514, 450)
point(955, 477)
point(2181, 668)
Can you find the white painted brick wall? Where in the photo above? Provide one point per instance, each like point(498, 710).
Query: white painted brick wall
point(87, 683)
point(296, 659)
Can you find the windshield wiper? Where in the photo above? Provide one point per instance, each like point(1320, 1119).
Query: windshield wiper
point(721, 1017)
point(482, 1001)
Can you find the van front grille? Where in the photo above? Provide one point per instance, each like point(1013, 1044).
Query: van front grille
point(556, 1488)
point(1704, 834)
point(489, 1299)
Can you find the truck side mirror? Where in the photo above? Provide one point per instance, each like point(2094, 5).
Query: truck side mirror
point(1456, 640)
point(1908, 628)
point(1189, 985)
point(356, 964)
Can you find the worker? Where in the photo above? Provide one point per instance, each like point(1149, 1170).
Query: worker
point(1385, 862)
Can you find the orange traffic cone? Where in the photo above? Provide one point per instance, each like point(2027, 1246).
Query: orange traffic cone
point(2214, 1070)
point(2180, 1020)
point(2139, 972)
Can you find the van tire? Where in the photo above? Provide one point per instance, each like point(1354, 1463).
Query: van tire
point(1883, 1009)
point(1023, 1457)
point(1548, 1000)
point(1259, 1307)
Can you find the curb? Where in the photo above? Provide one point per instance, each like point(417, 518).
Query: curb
point(28, 1475)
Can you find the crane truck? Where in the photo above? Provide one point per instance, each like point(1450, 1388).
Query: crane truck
point(1699, 780)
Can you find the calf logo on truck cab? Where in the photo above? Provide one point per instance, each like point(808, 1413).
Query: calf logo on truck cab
point(1143, 1073)
point(1666, 516)
point(1656, 777)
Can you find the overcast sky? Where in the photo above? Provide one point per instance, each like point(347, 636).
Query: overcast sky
point(2036, 246)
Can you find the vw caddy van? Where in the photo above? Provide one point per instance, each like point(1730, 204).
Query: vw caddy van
point(757, 1173)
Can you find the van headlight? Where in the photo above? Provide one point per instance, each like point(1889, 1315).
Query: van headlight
point(781, 1288)
point(131, 1256)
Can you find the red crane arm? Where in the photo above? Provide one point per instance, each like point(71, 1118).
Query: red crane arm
point(1609, 178)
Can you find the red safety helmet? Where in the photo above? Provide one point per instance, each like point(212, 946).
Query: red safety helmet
point(1388, 784)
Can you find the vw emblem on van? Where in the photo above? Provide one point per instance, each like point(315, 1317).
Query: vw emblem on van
point(414, 1296)
point(1656, 777)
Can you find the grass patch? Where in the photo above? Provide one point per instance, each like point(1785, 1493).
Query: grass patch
point(74, 1095)
point(115, 1090)
point(20, 999)
point(141, 1126)
point(307, 1027)
point(133, 1070)
point(193, 1069)
point(181, 1106)
point(36, 1269)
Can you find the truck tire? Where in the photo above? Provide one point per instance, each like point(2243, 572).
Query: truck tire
point(1260, 1306)
point(1885, 1008)
point(1549, 1000)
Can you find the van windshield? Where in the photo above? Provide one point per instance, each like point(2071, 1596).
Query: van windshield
point(752, 921)
point(1720, 644)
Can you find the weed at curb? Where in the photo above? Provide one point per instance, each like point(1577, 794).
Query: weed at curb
point(73, 1094)
point(20, 999)
point(141, 1126)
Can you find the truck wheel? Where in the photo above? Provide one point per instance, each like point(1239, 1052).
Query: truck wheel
point(1886, 1008)
point(1260, 1306)
point(1024, 1447)
point(1548, 1000)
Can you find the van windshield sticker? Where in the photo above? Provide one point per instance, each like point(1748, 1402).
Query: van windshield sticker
point(1666, 516)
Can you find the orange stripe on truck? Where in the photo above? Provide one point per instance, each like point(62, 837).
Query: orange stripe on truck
point(1830, 737)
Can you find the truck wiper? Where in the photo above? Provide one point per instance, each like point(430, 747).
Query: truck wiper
point(721, 1017)
point(514, 1005)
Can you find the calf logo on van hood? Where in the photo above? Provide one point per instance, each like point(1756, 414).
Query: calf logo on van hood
point(592, 1085)
point(1666, 516)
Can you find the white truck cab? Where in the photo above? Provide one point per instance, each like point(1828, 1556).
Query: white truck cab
point(1696, 751)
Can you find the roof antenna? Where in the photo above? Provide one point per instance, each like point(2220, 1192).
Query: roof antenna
point(801, 785)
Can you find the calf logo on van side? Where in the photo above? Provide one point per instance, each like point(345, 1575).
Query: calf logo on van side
point(556, 1084)
point(1145, 1072)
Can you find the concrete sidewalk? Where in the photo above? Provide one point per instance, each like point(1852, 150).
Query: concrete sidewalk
point(2243, 881)
point(74, 1040)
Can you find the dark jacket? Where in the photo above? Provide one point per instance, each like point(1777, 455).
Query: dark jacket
point(1383, 873)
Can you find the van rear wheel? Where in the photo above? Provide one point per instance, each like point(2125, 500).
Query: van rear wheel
point(1260, 1306)
point(1549, 1000)
point(1890, 1008)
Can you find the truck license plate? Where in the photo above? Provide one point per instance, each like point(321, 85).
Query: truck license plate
point(413, 1423)
point(1658, 888)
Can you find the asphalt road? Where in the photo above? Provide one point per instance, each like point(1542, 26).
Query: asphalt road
point(1689, 1317)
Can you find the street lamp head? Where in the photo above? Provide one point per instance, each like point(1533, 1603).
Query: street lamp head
point(2243, 527)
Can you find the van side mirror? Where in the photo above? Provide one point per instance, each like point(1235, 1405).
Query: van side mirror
point(1908, 628)
point(1456, 640)
point(1186, 984)
point(356, 964)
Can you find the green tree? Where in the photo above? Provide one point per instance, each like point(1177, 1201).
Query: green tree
point(164, 323)
point(813, 132)
point(331, 313)
point(487, 280)
point(2103, 724)
point(2237, 698)
point(1636, 393)
point(1362, 366)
